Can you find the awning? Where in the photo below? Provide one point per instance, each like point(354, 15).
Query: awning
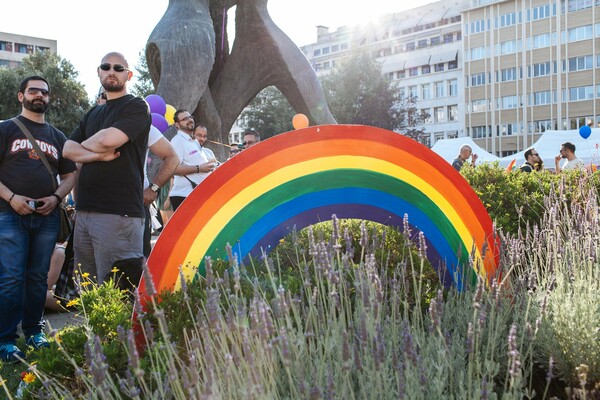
point(417, 61)
point(393, 66)
point(443, 57)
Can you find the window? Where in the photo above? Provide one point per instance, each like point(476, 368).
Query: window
point(542, 40)
point(581, 63)
point(23, 48)
point(478, 79)
point(439, 115)
point(439, 89)
point(453, 113)
point(477, 53)
point(541, 12)
point(435, 41)
point(478, 132)
point(326, 65)
point(412, 91)
point(477, 26)
point(335, 47)
point(422, 43)
point(581, 33)
point(541, 69)
point(508, 74)
point(509, 102)
point(508, 47)
point(479, 105)
point(401, 93)
point(439, 67)
point(426, 116)
point(317, 52)
point(448, 38)
point(425, 69)
point(325, 50)
point(414, 71)
point(410, 46)
point(426, 91)
point(575, 5)
point(453, 87)
point(541, 98)
point(581, 93)
point(508, 19)
point(5, 46)
point(452, 64)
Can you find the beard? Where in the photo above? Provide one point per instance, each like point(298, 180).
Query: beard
point(113, 86)
point(36, 106)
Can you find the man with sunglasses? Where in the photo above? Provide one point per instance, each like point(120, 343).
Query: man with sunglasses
point(194, 165)
point(110, 145)
point(532, 161)
point(29, 218)
point(251, 137)
point(567, 150)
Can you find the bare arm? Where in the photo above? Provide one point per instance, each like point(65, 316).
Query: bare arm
point(79, 154)
point(105, 140)
point(163, 150)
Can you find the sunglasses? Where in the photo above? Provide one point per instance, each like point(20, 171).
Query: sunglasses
point(116, 67)
point(535, 154)
point(249, 142)
point(34, 90)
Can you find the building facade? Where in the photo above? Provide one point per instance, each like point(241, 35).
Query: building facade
point(529, 65)
point(14, 48)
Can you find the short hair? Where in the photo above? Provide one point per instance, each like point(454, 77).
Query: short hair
point(528, 153)
point(176, 115)
point(199, 125)
point(569, 146)
point(24, 82)
point(252, 132)
point(465, 146)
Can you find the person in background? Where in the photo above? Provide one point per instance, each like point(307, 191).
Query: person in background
point(194, 165)
point(463, 155)
point(532, 160)
point(29, 219)
point(101, 97)
point(110, 143)
point(201, 134)
point(234, 148)
point(567, 150)
point(160, 147)
point(251, 137)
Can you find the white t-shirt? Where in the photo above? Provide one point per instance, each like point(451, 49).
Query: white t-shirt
point(189, 152)
point(153, 137)
point(575, 163)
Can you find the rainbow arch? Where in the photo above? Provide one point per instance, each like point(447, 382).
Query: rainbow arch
point(305, 176)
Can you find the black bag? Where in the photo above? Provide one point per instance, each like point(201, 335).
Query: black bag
point(65, 225)
point(66, 288)
point(194, 184)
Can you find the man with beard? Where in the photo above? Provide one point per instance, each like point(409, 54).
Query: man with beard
point(110, 144)
point(29, 217)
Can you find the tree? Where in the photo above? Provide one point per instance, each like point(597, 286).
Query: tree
point(143, 85)
point(411, 120)
point(68, 98)
point(269, 113)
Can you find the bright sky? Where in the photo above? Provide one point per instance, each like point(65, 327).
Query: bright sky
point(86, 31)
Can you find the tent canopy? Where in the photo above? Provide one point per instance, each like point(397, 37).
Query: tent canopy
point(448, 149)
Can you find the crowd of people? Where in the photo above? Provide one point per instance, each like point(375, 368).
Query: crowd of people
point(102, 167)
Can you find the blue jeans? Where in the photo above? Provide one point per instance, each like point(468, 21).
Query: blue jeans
point(26, 245)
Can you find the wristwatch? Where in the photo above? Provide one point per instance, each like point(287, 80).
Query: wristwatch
point(154, 187)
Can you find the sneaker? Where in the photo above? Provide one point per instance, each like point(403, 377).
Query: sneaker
point(9, 353)
point(37, 341)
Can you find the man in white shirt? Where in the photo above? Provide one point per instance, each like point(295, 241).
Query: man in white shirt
point(195, 164)
point(567, 150)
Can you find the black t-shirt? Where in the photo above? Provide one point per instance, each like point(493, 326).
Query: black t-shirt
point(21, 170)
point(115, 187)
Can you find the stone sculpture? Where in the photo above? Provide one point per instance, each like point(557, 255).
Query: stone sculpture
point(191, 66)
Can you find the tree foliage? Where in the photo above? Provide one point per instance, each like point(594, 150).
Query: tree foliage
point(68, 98)
point(269, 113)
point(143, 86)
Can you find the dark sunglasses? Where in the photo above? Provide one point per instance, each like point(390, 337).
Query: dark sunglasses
point(34, 90)
point(116, 67)
point(535, 154)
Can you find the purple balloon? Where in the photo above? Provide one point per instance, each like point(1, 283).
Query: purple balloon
point(160, 122)
point(157, 104)
point(585, 131)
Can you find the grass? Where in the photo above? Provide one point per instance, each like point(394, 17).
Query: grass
point(349, 310)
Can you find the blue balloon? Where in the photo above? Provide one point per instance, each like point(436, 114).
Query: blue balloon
point(585, 131)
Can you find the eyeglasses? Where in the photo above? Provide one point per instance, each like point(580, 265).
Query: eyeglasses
point(535, 154)
point(116, 67)
point(249, 142)
point(34, 90)
point(189, 117)
point(234, 151)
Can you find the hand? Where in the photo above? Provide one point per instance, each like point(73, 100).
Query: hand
point(108, 156)
point(49, 204)
point(149, 196)
point(207, 167)
point(474, 158)
point(558, 158)
point(20, 205)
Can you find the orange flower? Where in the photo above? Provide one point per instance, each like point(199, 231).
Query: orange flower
point(27, 377)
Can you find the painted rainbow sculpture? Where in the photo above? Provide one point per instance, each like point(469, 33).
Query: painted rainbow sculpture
point(305, 176)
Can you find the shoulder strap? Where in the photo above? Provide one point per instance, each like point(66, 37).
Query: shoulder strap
point(37, 149)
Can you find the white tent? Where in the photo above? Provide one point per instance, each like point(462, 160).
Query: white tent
point(448, 149)
point(548, 145)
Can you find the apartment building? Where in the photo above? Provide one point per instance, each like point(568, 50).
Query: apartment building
point(421, 52)
point(529, 66)
point(14, 48)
